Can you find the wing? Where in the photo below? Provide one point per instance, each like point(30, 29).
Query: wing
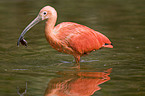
point(80, 38)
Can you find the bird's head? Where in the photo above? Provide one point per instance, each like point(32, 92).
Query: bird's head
point(46, 12)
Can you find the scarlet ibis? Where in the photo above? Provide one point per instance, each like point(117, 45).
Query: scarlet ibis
point(68, 37)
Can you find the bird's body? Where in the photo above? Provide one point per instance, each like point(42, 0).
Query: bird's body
point(76, 39)
point(69, 37)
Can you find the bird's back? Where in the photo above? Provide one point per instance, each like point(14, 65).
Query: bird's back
point(80, 38)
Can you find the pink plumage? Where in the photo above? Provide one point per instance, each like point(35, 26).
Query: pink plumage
point(68, 37)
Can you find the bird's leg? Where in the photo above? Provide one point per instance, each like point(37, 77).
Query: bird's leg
point(77, 59)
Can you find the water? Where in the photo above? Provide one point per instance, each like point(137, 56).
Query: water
point(46, 71)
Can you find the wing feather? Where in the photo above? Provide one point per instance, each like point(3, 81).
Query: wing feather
point(80, 38)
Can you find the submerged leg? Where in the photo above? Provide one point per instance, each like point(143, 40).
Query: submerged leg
point(77, 59)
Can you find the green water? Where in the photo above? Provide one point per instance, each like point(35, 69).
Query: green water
point(43, 68)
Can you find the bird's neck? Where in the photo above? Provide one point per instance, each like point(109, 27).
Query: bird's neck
point(50, 23)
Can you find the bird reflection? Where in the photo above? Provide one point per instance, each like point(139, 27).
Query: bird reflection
point(77, 83)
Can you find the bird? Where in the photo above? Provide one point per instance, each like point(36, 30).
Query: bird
point(68, 37)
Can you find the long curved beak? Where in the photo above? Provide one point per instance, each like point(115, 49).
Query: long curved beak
point(34, 22)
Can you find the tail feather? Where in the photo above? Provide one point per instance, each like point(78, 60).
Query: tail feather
point(108, 45)
point(104, 41)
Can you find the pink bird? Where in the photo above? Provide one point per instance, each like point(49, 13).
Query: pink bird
point(68, 37)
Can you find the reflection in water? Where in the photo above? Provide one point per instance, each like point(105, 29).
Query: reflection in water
point(77, 83)
point(22, 91)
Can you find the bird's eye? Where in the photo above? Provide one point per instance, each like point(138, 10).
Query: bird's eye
point(44, 13)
